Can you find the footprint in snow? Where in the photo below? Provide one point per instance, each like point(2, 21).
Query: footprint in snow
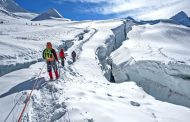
point(135, 103)
point(58, 114)
point(109, 95)
point(121, 97)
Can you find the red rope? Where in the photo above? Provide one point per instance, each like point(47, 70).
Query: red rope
point(29, 96)
point(13, 108)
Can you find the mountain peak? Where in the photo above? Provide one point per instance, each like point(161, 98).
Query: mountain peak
point(181, 18)
point(55, 13)
point(51, 13)
point(179, 15)
point(182, 12)
point(11, 6)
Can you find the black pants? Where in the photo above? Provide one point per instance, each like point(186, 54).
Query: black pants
point(63, 62)
point(74, 59)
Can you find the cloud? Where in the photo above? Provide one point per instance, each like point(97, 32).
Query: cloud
point(81, 1)
point(167, 11)
point(139, 9)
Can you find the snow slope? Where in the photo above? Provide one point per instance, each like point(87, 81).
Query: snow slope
point(11, 6)
point(22, 41)
point(180, 18)
point(26, 15)
point(83, 93)
point(157, 58)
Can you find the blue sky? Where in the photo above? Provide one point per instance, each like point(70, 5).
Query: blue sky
point(106, 9)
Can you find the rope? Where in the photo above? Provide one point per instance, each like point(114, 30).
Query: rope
point(13, 108)
point(29, 96)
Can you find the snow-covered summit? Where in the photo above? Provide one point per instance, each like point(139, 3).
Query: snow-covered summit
point(181, 18)
point(51, 13)
point(11, 6)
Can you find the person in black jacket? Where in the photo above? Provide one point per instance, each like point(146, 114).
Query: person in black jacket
point(49, 54)
point(73, 56)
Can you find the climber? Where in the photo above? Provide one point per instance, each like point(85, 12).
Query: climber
point(62, 57)
point(49, 54)
point(73, 56)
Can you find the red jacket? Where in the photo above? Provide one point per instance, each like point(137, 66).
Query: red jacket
point(62, 54)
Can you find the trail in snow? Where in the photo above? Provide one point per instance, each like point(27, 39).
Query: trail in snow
point(46, 100)
point(88, 96)
point(83, 93)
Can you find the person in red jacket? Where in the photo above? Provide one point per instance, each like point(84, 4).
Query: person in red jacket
point(62, 57)
point(49, 54)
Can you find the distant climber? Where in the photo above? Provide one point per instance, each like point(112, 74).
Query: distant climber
point(49, 54)
point(73, 54)
point(62, 57)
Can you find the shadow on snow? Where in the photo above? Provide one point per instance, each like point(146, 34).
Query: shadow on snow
point(26, 85)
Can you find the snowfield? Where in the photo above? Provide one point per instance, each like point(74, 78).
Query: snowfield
point(157, 58)
point(23, 43)
point(149, 63)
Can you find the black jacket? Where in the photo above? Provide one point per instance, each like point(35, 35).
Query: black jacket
point(73, 54)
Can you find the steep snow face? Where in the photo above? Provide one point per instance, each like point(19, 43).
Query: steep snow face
point(51, 13)
point(12, 9)
point(182, 18)
point(119, 34)
point(157, 58)
point(11, 6)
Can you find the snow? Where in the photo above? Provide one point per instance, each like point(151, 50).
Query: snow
point(11, 6)
point(22, 43)
point(83, 91)
point(157, 58)
point(26, 15)
point(77, 99)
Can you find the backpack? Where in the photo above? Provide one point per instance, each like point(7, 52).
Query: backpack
point(47, 54)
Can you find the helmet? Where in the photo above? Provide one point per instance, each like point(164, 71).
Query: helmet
point(62, 50)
